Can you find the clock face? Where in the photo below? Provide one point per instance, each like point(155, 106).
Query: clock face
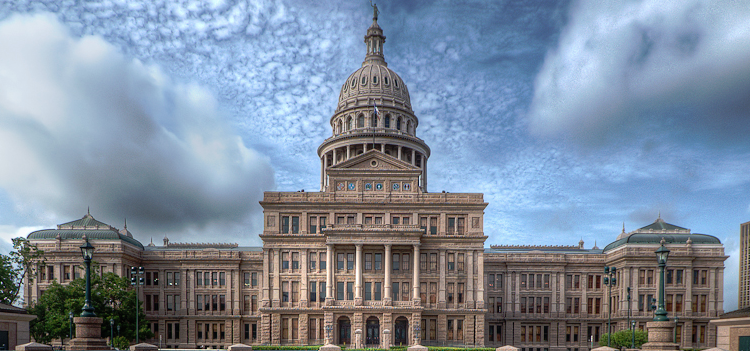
point(340, 186)
point(379, 186)
point(352, 186)
point(395, 186)
point(368, 186)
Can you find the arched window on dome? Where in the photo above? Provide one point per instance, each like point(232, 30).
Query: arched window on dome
point(350, 125)
point(374, 121)
point(360, 121)
point(398, 123)
point(338, 127)
point(387, 121)
point(409, 127)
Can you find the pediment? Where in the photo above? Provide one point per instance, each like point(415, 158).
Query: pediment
point(375, 160)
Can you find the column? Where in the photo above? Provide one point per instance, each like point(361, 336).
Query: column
point(333, 162)
point(441, 284)
point(399, 152)
point(276, 262)
point(348, 152)
point(480, 278)
point(265, 296)
point(303, 280)
point(415, 282)
point(322, 171)
point(358, 275)
point(387, 279)
point(413, 156)
point(424, 172)
point(329, 272)
point(325, 172)
point(470, 279)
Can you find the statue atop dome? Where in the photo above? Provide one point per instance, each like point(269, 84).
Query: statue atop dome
point(375, 11)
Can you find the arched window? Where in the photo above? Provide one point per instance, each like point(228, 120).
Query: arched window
point(409, 127)
point(387, 121)
point(398, 123)
point(350, 126)
point(361, 121)
point(338, 127)
point(374, 121)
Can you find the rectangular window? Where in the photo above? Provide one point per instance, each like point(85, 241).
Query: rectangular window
point(396, 261)
point(405, 262)
point(368, 261)
point(313, 259)
point(460, 292)
point(376, 292)
point(199, 302)
point(170, 302)
point(222, 278)
point(222, 302)
point(214, 279)
point(433, 262)
point(678, 277)
point(433, 225)
point(378, 261)
point(433, 292)
point(339, 291)
point(423, 292)
point(322, 294)
point(460, 262)
point(295, 224)
point(313, 292)
point(284, 291)
point(340, 261)
point(678, 303)
point(254, 301)
point(423, 262)
point(349, 261)
point(295, 261)
point(491, 281)
point(349, 291)
point(395, 291)
point(323, 259)
point(285, 224)
point(254, 279)
point(368, 291)
point(295, 291)
point(450, 293)
point(451, 262)
point(285, 261)
point(313, 224)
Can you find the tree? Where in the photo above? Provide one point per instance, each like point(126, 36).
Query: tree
point(623, 338)
point(111, 297)
point(17, 265)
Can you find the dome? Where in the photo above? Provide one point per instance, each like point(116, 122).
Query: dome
point(86, 226)
point(374, 82)
point(655, 232)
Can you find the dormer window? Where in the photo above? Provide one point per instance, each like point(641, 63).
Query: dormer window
point(374, 79)
point(385, 79)
point(364, 80)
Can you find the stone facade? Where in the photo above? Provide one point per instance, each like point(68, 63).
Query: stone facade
point(744, 279)
point(373, 250)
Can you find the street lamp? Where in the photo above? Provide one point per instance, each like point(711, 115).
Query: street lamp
point(631, 346)
point(609, 280)
point(632, 342)
point(70, 325)
point(118, 330)
point(661, 255)
point(675, 329)
point(136, 279)
point(87, 251)
point(112, 332)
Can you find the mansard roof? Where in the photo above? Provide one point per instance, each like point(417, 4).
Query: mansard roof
point(88, 226)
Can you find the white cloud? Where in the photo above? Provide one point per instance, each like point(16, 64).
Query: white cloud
point(81, 124)
point(616, 61)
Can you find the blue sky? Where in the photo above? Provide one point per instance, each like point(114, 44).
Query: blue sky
point(571, 117)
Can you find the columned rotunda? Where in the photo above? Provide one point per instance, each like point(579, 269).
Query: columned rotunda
point(374, 260)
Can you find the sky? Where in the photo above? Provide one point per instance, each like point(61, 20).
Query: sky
point(573, 118)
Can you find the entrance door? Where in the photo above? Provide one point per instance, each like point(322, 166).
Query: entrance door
point(400, 331)
point(373, 331)
point(4, 340)
point(744, 343)
point(345, 331)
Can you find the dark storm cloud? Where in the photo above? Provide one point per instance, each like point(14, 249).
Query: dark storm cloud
point(82, 125)
point(631, 66)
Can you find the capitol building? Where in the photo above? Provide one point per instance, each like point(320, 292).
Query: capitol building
point(374, 259)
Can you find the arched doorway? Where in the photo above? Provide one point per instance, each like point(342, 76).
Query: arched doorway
point(372, 332)
point(345, 331)
point(400, 330)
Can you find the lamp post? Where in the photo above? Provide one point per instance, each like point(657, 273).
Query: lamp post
point(136, 279)
point(70, 325)
point(87, 251)
point(609, 280)
point(631, 346)
point(111, 331)
point(661, 254)
point(675, 329)
point(632, 342)
point(118, 330)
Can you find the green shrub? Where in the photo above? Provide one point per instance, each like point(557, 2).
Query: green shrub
point(285, 347)
point(121, 342)
point(623, 338)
